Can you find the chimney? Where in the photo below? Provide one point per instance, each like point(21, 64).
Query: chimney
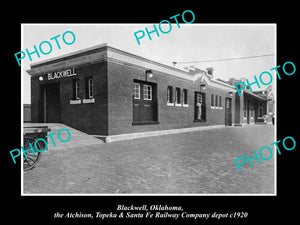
point(232, 81)
point(210, 71)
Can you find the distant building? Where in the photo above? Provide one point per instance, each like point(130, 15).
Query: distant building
point(268, 94)
point(250, 105)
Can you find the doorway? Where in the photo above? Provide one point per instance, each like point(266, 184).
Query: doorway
point(50, 103)
point(144, 102)
point(228, 112)
point(200, 106)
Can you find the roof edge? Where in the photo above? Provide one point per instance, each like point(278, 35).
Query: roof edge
point(53, 59)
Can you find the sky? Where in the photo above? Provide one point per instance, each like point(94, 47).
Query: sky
point(190, 42)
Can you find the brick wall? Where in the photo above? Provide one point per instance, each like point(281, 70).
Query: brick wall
point(120, 98)
point(88, 117)
point(112, 111)
point(216, 116)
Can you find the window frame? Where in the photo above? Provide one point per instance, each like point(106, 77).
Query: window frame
point(216, 101)
point(177, 96)
point(76, 89)
point(90, 88)
point(185, 98)
point(170, 96)
point(212, 101)
point(134, 90)
point(147, 93)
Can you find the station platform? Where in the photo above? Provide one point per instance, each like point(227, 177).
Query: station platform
point(78, 138)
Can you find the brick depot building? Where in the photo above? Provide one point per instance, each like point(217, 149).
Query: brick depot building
point(105, 91)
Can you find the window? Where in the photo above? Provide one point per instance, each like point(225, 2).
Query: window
point(170, 94)
point(136, 91)
point(185, 96)
point(216, 102)
point(147, 92)
point(90, 88)
point(220, 101)
point(177, 96)
point(76, 89)
point(212, 100)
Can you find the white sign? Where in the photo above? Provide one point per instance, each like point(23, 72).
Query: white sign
point(62, 74)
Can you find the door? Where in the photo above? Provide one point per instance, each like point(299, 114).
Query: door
point(144, 102)
point(228, 112)
point(51, 103)
point(200, 107)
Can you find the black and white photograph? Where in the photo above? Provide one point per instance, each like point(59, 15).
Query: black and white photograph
point(160, 118)
point(178, 115)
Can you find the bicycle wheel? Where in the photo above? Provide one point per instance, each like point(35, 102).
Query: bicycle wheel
point(32, 159)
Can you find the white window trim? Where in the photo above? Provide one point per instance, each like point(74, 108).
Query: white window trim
point(147, 99)
point(89, 88)
point(75, 102)
point(170, 104)
point(184, 95)
point(89, 100)
point(176, 96)
point(138, 92)
point(170, 94)
point(212, 107)
point(77, 90)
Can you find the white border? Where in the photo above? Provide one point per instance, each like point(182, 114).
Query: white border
point(275, 115)
point(22, 110)
point(157, 194)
